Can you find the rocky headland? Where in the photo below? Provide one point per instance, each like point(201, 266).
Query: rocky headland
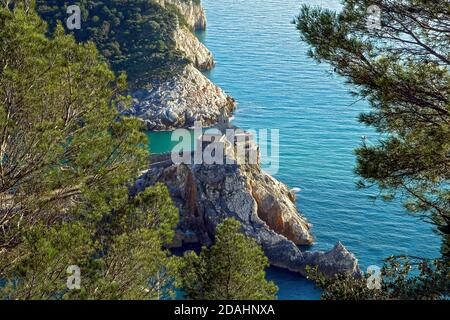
point(208, 194)
point(193, 49)
point(186, 96)
point(192, 11)
point(180, 101)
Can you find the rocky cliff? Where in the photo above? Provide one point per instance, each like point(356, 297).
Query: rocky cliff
point(208, 194)
point(194, 50)
point(180, 101)
point(192, 11)
point(185, 41)
point(187, 95)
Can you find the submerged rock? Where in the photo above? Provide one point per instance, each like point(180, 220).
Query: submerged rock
point(180, 101)
point(208, 194)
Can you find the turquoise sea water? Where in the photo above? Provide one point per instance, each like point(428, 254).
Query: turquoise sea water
point(263, 64)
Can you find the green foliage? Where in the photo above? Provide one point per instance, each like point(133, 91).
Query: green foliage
point(232, 269)
point(135, 36)
point(402, 278)
point(402, 70)
point(133, 264)
point(67, 159)
point(36, 267)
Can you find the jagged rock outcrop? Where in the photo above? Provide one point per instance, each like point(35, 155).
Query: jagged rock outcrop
point(208, 194)
point(338, 258)
point(193, 49)
point(192, 10)
point(180, 101)
point(276, 206)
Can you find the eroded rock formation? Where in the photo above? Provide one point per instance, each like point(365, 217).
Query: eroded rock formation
point(208, 194)
point(187, 96)
point(194, 50)
point(192, 10)
point(180, 101)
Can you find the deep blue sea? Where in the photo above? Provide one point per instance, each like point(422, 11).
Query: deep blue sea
point(262, 63)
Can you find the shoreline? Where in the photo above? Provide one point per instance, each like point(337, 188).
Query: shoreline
point(265, 207)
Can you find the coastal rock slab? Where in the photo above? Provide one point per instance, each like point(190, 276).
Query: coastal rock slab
point(193, 49)
point(337, 260)
point(208, 194)
point(180, 101)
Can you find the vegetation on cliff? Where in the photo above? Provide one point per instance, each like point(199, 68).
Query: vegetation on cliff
point(67, 160)
point(401, 68)
point(232, 269)
point(135, 36)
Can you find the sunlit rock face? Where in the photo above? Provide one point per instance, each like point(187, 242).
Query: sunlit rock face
point(193, 49)
point(208, 194)
point(184, 96)
point(180, 101)
point(276, 207)
point(192, 10)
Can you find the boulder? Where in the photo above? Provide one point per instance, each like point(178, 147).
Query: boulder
point(180, 101)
